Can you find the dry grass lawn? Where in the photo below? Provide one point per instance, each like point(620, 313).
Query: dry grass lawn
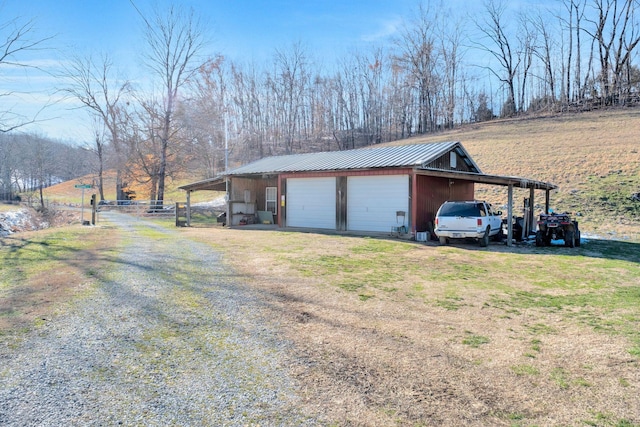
point(395, 333)
point(42, 270)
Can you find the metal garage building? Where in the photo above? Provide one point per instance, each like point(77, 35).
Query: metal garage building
point(370, 189)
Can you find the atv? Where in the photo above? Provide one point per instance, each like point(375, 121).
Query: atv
point(557, 227)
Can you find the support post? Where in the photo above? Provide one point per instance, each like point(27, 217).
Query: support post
point(81, 207)
point(546, 202)
point(189, 208)
point(227, 199)
point(413, 204)
point(94, 208)
point(510, 216)
point(532, 214)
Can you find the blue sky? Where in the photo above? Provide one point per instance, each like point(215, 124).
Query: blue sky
point(242, 30)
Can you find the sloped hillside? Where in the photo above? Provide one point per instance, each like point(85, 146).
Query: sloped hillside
point(593, 157)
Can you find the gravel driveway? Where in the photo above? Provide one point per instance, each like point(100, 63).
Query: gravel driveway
point(169, 336)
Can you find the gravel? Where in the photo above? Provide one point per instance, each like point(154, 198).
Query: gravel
point(168, 336)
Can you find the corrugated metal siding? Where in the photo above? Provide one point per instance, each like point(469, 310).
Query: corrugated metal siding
point(400, 171)
point(431, 192)
point(462, 190)
point(373, 202)
point(257, 187)
point(364, 158)
point(444, 162)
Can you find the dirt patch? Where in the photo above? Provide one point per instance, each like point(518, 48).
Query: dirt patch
point(33, 299)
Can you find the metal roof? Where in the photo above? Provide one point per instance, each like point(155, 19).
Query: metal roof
point(416, 156)
point(363, 158)
point(503, 180)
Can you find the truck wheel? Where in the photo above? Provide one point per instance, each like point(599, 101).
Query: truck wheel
point(443, 240)
point(499, 236)
point(484, 240)
point(569, 239)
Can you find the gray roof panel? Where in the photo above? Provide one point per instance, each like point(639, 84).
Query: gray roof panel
point(362, 158)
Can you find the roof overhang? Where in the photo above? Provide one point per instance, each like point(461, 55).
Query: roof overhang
point(212, 184)
point(488, 179)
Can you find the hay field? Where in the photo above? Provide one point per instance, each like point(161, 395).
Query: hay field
point(593, 157)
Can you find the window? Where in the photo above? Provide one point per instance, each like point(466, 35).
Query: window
point(271, 199)
point(453, 160)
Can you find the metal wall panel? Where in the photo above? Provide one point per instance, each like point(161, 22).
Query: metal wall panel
point(431, 192)
point(373, 202)
point(311, 202)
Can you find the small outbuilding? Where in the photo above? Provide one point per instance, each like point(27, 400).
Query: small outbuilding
point(374, 189)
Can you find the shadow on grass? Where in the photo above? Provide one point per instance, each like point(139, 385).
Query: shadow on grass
point(594, 248)
point(597, 248)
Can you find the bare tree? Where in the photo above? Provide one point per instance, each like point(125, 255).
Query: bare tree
point(527, 41)
point(545, 52)
point(617, 35)
point(17, 38)
point(204, 116)
point(174, 39)
point(289, 82)
point(501, 47)
point(99, 150)
point(419, 56)
point(99, 90)
point(450, 48)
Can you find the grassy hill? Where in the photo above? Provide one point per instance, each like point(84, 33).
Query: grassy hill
point(66, 193)
point(593, 157)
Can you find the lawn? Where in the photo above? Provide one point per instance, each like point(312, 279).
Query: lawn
point(398, 333)
point(388, 332)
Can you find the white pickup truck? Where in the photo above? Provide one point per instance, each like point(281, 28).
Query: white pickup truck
point(464, 220)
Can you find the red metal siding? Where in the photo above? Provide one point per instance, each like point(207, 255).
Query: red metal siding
point(444, 163)
point(393, 171)
point(431, 192)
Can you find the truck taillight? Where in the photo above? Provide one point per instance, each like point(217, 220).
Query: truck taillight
point(436, 221)
point(479, 222)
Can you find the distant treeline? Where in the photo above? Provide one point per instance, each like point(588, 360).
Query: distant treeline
point(29, 163)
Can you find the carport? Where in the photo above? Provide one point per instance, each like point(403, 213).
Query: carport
point(506, 181)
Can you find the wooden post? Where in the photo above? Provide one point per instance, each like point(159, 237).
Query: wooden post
point(94, 209)
point(546, 202)
point(510, 216)
point(189, 208)
point(532, 215)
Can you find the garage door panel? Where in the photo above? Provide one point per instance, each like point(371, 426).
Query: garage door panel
point(311, 202)
point(373, 202)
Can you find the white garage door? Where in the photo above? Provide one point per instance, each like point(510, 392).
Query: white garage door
point(311, 202)
point(372, 202)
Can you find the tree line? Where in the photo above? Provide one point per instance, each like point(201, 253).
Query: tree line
point(29, 163)
point(204, 113)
